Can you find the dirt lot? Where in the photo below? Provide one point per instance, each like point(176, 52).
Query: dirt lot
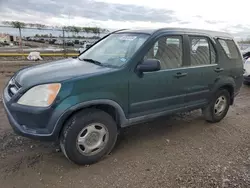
point(180, 151)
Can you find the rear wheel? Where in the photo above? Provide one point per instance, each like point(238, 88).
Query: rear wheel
point(88, 136)
point(218, 107)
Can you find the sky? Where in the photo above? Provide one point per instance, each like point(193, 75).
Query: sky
point(221, 15)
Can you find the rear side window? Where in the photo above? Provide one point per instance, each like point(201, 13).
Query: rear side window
point(202, 51)
point(230, 48)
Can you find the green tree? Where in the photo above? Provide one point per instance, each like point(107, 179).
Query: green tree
point(96, 30)
point(75, 30)
point(45, 35)
point(40, 26)
point(37, 26)
point(104, 30)
point(86, 29)
point(19, 26)
point(66, 28)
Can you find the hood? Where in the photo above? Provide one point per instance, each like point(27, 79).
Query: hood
point(57, 71)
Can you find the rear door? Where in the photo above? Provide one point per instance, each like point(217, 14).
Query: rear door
point(202, 69)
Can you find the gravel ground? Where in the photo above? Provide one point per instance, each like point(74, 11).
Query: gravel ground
point(179, 151)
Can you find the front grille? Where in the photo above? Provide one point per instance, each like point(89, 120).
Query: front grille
point(13, 87)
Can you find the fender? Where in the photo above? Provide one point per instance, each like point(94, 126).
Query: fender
point(224, 82)
point(69, 111)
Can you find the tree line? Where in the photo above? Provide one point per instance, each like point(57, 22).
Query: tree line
point(74, 29)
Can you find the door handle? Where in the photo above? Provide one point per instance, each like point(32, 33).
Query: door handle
point(180, 74)
point(218, 69)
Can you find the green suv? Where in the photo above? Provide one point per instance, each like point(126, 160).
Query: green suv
point(127, 77)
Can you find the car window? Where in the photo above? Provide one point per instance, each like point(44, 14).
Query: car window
point(115, 50)
point(139, 43)
point(155, 48)
point(175, 41)
point(202, 51)
point(168, 50)
point(230, 48)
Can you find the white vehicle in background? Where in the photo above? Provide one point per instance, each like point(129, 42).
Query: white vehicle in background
point(59, 42)
point(246, 57)
point(246, 74)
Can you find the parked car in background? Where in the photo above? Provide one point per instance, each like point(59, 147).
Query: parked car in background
point(47, 39)
point(41, 40)
point(82, 42)
point(85, 46)
point(126, 78)
point(58, 42)
point(69, 43)
point(246, 62)
point(76, 42)
point(246, 55)
point(246, 75)
point(52, 41)
point(4, 43)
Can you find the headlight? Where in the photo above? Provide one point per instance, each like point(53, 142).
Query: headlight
point(41, 95)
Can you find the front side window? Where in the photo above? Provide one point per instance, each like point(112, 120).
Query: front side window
point(202, 51)
point(115, 50)
point(168, 50)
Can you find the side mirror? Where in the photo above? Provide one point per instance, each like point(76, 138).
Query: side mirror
point(149, 65)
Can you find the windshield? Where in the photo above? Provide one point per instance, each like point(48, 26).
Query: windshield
point(116, 49)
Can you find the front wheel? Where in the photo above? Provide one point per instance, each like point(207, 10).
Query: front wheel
point(88, 136)
point(218, 107)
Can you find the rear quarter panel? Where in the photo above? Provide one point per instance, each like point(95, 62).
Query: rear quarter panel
point(233, 69)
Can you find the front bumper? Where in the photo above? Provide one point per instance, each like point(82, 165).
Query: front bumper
point(36, 123)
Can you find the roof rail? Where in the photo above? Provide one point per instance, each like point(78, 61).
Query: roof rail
point(117, 30)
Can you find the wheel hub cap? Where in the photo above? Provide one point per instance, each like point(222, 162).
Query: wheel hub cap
point(220, 105)
point(92, 139)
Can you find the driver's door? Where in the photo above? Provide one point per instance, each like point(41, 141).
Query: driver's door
point(161, 90)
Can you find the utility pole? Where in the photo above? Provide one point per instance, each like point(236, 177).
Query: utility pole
point(64, 49)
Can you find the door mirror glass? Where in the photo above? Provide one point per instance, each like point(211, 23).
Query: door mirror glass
point(149, 65)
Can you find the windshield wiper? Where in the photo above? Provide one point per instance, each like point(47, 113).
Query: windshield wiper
point(92, 61)
point(97, 62)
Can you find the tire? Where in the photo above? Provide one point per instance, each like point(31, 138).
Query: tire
point(83, 125)
point(210, 113)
